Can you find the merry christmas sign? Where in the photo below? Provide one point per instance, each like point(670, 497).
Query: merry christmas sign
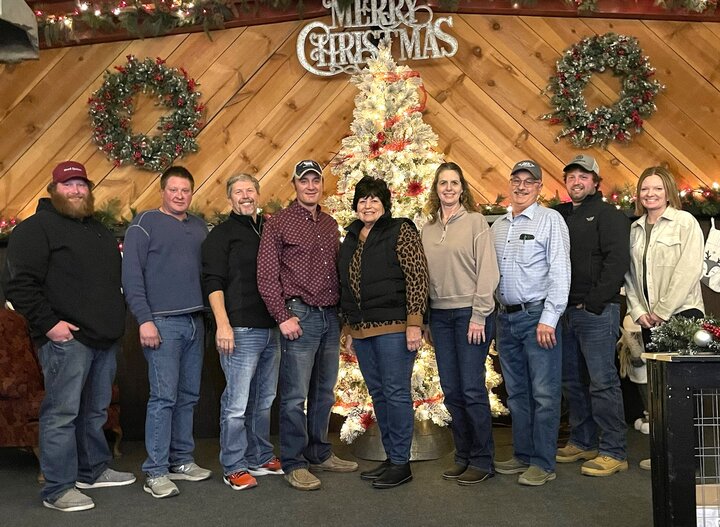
point(355, 33)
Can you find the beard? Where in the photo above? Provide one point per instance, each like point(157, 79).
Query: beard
point(77, 209)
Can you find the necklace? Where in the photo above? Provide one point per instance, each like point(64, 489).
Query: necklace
point(259, 225)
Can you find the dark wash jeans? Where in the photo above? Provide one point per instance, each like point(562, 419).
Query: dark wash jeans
point(308, 371)
point(387, 365)
point(591, 384)
point(462, 376)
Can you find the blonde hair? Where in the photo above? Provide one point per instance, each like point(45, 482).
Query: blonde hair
point(432, 206)
point(668, 181)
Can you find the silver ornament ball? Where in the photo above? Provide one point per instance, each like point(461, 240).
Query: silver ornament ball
point(702, 338)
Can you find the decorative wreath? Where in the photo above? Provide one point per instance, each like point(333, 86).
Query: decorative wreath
point(112, 108)
point(618, 122)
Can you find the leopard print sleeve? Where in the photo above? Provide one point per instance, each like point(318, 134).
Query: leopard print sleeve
point(414, 265)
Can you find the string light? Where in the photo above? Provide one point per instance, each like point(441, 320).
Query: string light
point(147, 13)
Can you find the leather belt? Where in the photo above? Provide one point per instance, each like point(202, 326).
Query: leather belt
point(521, 307)
point(299, 300)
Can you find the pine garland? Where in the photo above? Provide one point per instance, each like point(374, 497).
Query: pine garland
point(677, 336)
point(113, 105)
point(620, 54)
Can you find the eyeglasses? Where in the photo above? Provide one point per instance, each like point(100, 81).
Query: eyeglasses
point(517, 182)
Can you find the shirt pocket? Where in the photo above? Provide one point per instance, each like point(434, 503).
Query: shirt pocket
point(529, 251)
point(667, 250)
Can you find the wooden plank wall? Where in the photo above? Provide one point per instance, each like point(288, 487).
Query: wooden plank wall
point(265, 111)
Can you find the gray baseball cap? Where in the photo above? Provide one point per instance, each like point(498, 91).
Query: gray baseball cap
point(530, 166)
point(585, 162)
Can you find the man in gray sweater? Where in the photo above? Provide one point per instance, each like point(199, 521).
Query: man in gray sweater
point(161, 279)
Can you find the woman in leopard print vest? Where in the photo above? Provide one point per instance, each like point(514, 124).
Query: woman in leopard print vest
point(384, 281)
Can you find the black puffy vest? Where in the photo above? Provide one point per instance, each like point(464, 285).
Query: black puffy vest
point(382, 282)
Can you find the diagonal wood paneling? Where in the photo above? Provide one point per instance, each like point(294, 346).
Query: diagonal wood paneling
point(265, 111)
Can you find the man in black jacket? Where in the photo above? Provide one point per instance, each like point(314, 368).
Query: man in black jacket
point(599, 256)
point(247, 338)
point(63, 275)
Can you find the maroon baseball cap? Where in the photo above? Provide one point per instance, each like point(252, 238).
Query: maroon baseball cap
point(68, 170)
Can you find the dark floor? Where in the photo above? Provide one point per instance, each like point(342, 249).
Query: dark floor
point(344, 500)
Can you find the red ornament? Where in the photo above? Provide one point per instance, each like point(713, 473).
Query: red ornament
point(712, 329)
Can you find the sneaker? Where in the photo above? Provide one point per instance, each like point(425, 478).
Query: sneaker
point(535, 476)
point(335, 464)
point(160, 487)
point(570, 453)
point(240, 480)
point(511, 466)
point(302, 479)
point(70, 501)
point(645, 428)
point(189, 472)
point(271, 467)
point(474, 475)
point(454, 472)
point(603, 466)
point(645, 464)
point(109, 478)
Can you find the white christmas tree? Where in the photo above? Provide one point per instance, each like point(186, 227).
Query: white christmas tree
point(391, 141)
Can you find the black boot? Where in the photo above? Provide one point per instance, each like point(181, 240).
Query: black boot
point(393, 476)
point(377, 471)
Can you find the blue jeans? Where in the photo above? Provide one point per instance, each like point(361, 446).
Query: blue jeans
point(78, 389)
point(590, 380)
point(533, 377)
point(251, 375)
point(462, 376)
point(308, 371)
point(174, 374)
point(387, 365)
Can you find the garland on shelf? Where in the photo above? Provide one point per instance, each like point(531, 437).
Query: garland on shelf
point(686, 336)
point(136, 17)
point(621, 55)
point(700, 202)
point(142, 18)
point(113, 105)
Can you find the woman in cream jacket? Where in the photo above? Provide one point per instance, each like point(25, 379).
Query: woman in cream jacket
point(666, 259)
point(666, 251)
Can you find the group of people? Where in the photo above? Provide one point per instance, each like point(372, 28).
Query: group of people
point(285, 291)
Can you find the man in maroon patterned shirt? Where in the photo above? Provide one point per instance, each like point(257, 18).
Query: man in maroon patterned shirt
point(298, 280)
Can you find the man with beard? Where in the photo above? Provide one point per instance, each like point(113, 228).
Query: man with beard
point(599, 241)
point(63, 275)
point(247, 338)
point(533, 252)
point(161, 274)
